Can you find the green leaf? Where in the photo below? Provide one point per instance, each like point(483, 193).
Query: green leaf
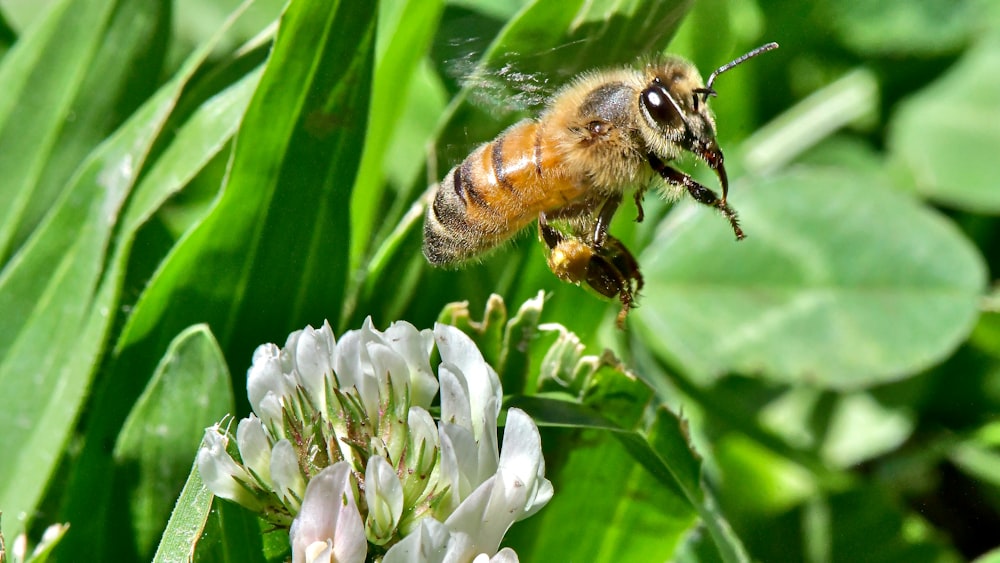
point(294, 163)
point(861, 523)
point(68, 82)
point(207, 528)
point(60, 302)
point(187, 521)
point(405, 29)
point(196, 21)
point(205, 134)
point(841, 282)
point(7, 35)
point(979, 456)
point(649, 481)
point(946, 134)
point(188, 392)
point(233, 534)
point(901, 27)
point(992, 556)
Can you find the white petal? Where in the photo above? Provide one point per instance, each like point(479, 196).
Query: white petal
point(264, 375)
point(329, 512)
point(289, 483)
point(314, 362)
point(389, 367)
point(432, 542)
point(423, 440)
point(505, 555)
point(459, 470)
point(482, 516)
point(371, 334)
point(20, 548)
point(251, 439)
point(488, 450)
point(347, 361)
point(415, 347)
point(521, 461)
point(483, 384)
point(459, 549)
point(220, 473)
point(384, 494)
point(270, 412)
point(422, 449)
point(518, 488)
point(455, 407)
point(320, 552)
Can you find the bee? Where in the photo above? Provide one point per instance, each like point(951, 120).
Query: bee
point(605, 133)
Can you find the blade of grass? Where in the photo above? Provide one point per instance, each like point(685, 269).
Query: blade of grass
point(69, 82)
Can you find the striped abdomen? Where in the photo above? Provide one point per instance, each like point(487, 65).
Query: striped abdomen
point(495, 192)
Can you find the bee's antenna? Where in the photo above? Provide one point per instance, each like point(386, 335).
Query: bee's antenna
point(762, 49)
point(708, 91)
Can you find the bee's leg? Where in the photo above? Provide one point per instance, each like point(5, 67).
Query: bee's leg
point(625, 268)
point(624, 261)
point(604, 219)
point(548, 233)
point(700, 193)
point(639, 194)
point(611, 270)
point(569, 257)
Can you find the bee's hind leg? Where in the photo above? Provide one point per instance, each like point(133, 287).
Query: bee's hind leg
point(603, 221)
point(611, 270)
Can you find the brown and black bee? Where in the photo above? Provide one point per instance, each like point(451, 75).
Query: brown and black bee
point(605, 133)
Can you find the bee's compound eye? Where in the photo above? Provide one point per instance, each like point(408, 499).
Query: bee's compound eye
point(660, 107)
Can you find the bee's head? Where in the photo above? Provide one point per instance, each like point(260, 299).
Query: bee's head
point(675, 114)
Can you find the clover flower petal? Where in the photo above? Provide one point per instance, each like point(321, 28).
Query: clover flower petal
point(329, 526)
point(384, 495)
point(221, 473)
point(251, 439)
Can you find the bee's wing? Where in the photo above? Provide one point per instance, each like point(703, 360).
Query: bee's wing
point(505, 85)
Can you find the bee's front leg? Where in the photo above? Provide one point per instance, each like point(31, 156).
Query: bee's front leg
point(700, 193)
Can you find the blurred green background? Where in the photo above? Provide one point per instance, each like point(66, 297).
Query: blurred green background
point(170, 164)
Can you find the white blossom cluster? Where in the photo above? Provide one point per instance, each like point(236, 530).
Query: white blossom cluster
point(343, 448)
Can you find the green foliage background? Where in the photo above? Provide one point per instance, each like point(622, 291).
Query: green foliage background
point(182, 181)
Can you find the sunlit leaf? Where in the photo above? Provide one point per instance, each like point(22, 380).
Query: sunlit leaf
point(68, 82)
point(187, 521)
point(841, 282)
point(295, 159)
point(405, 31)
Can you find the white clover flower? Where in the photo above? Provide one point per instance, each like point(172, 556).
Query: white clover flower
point(343, 449)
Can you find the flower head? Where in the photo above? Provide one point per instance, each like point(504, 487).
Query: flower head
point(343, 449)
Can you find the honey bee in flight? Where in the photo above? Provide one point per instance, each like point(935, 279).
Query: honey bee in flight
point(603, 134)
